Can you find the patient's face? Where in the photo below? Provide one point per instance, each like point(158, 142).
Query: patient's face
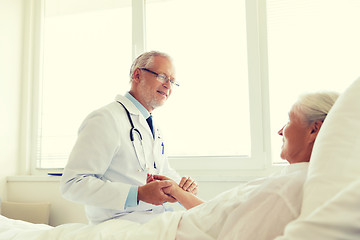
point(295, 133)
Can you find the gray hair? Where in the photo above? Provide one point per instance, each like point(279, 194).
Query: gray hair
point(315, 106)
point(145, 60)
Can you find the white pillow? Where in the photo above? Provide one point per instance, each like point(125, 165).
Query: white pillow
point(339, 218)
point(335, 161)
point(334, 164)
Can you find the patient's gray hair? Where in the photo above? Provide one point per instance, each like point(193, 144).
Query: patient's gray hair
point(315, 106)
point(145, 60)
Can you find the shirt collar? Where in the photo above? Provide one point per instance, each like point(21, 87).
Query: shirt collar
point(138, 105)
point(301, 166)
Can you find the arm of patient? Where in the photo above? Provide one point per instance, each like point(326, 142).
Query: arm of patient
point(187, 199)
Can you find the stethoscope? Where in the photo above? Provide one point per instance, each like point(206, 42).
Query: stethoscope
point(135, 131)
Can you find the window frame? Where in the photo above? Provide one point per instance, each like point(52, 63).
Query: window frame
point(260, 158)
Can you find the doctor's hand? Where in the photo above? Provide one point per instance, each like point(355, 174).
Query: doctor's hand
point(153, 192)
point(186, 198)
point(188, 184)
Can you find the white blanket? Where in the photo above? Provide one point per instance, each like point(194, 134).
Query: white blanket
point(259, 210)
point(164, 227)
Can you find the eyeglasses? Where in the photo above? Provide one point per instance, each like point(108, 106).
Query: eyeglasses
point(162, 78)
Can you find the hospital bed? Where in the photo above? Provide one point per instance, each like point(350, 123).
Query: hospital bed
point(331, 199)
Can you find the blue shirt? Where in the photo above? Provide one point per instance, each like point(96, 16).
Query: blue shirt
point(131, 200)
point(138, 105)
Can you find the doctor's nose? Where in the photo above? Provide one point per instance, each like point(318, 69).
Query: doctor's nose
point(167, 84)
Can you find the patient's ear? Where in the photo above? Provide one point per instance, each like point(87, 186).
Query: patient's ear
point(315, 128)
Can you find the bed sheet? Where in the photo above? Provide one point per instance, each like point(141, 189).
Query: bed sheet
point(250, 211)
point(10, 229)
point(259, 209)
point(113, 229)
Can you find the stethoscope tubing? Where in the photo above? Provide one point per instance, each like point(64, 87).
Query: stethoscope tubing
point(132, 139)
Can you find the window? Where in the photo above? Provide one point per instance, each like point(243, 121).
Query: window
point(211, 63)
point(220, 51)
point(85, 60)
point(313, 46)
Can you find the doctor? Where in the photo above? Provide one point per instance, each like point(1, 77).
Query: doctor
point(118, 146)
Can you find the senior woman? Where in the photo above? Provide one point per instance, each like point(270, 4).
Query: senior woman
point(305, 120)
point(260, 209)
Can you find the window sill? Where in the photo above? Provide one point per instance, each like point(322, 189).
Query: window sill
point(33, 178)
point(199, 175)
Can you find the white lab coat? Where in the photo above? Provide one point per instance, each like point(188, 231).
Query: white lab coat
point(103, 166)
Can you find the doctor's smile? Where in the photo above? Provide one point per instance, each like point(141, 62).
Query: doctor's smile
point(162, 93)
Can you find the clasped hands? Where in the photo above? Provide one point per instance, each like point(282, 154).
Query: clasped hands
point(159, 189)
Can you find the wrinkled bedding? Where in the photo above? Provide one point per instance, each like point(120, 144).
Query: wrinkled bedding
point(257, 210)
point(113, 229)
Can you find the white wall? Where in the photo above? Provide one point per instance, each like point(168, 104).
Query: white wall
point(11, 35)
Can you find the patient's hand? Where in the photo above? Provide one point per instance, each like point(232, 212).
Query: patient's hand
point(185, 197)
point(172, 190)
point(188, 184)
point(169, 190)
